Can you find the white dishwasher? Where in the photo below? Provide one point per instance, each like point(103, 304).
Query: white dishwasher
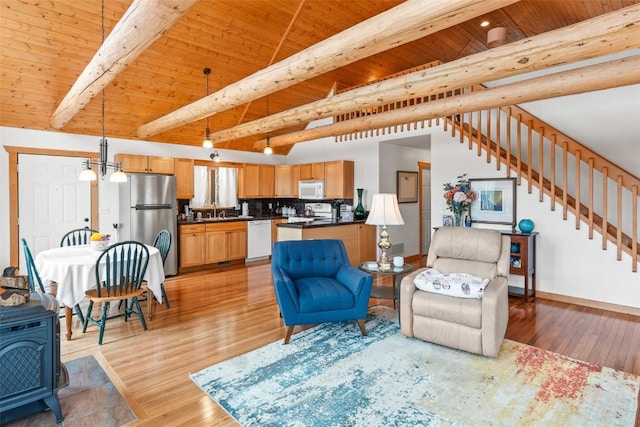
point(258, 240)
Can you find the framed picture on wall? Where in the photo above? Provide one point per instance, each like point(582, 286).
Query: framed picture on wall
point(407, 187)
point(495, 201)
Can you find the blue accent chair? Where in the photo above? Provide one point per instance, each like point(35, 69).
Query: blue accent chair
point(314, 283)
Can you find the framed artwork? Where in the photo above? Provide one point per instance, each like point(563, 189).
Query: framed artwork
point(495, 201)
point(407, 187)
point(447, 220)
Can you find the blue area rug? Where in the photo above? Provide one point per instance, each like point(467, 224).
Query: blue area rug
point(330, 375)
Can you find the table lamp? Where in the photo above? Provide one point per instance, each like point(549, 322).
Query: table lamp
point(384, 211)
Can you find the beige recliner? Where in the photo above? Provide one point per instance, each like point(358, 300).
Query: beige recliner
point(469, 324)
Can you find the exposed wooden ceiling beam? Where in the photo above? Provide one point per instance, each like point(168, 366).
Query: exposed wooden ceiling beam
point(140, 26)
point(599, 36)
point(404, 23)
point(611, 74)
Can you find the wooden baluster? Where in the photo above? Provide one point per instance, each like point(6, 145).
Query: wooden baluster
point(577, 198)
point(519, 148)
point(541, 162)
point(498, 139)
point(530, 156)
point(479, 132)
point(508, 144)
point(605, 179)
point(565, 146)
point(619, 225)
point(488, 139)
point(470, 130)
point(634, 228)
point(552, 171)
point(591, 198)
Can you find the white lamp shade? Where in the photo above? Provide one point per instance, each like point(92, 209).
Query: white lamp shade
point(385, 210)
point(87, 175)
point(118, 176)
point(207, 143)
point(268, 150)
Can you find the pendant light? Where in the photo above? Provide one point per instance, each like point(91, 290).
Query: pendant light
point(102, 164)
point(207, 136)
point(268, 150)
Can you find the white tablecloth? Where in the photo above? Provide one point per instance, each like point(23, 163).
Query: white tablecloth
point(74, 269)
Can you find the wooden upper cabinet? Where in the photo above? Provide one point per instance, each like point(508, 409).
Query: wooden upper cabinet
point(145, 164)
point(295, 178)
point(284, 181)
point(250, 181)
point(184, 178)
point(312, 171)
point(338, 180)
point(257, 181)
point(267, 180)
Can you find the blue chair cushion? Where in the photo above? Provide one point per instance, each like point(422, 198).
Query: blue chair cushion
point(323, 294)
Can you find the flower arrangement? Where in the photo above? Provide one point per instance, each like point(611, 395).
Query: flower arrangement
point(459, 196)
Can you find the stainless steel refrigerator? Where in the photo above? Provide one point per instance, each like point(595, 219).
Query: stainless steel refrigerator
point(148, 205)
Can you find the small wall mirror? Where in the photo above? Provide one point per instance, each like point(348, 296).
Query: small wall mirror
point(215, 184)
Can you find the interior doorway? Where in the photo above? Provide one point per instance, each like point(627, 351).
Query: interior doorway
point(51, 200)
point(425, 206)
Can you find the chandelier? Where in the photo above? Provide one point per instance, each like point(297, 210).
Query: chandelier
point(102, 164)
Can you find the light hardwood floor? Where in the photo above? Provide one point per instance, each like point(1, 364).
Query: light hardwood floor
point(218, 315)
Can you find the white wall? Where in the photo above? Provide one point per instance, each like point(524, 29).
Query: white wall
point(568, 263)
point(107, 191)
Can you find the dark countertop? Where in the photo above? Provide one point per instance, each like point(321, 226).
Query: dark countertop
point(320, 223)
point(230, 219)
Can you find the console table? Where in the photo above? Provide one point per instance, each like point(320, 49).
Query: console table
point(523, 262)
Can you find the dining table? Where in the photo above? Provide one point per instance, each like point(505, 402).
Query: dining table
point(73, 268)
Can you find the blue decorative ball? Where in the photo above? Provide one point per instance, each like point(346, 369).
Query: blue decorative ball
point(526, 225)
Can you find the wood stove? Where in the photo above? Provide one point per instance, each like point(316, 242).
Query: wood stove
point(29, 358)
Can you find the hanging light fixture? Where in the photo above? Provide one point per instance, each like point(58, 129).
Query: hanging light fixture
point(207, 136)
point(102, 164)
point(268, 150)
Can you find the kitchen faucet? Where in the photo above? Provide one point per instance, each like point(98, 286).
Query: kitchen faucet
point(214, 210)
point(222, 214)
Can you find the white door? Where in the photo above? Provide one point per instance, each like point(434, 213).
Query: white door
point(426, 210)
point(51, 200)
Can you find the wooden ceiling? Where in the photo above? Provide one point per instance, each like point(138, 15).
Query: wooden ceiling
point(46, 44)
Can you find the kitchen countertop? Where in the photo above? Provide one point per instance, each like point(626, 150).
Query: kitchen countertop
point(313, 224)
point(319, 223)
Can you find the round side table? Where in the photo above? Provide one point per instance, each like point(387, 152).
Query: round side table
point(386, 292)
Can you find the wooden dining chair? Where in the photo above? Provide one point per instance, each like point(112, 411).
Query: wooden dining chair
point(119, 272)
point(163, 243)
point(35, 279)
point(79, 236)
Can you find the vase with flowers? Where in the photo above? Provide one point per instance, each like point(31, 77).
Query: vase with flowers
point(459, 197)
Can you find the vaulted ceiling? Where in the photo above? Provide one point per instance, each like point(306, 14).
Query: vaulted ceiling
point(46, 44)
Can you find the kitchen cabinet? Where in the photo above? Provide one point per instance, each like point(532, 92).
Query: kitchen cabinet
point(184, 178)
point(338, 180)
point(312, 171)
point(367, 243)
point(257, 181)
point(274, 228)
point(284, 181)
point(192, 245)
point(226, 241)
point(267, 175)
point(145, 164)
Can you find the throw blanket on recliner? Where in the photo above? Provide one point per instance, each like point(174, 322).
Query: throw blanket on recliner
point(459, 285)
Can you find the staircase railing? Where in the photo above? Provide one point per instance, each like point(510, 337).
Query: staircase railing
point(596, 191)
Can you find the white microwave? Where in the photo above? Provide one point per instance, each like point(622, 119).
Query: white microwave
point(311, 190)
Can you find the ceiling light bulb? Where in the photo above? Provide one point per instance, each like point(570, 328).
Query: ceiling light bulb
point(87, 175)
point(268, 150)
point(118, 176)
point(207, 143)
point(484, 24)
